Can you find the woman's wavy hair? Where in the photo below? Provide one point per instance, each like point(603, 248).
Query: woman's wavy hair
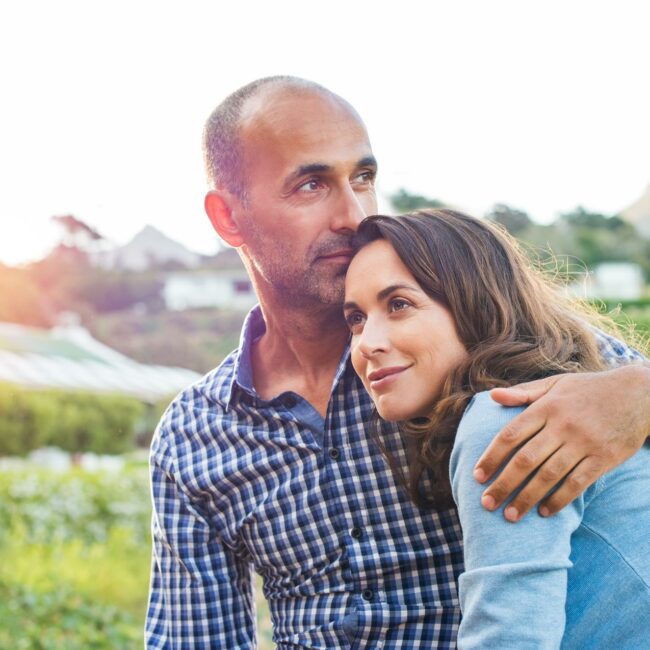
point(514, 323)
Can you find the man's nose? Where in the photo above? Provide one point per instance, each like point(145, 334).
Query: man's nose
point(349, 211)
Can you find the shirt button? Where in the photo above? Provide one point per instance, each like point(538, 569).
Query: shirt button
point(290, 402)
point(367, 594)
point(356, 532)
point(333, 453)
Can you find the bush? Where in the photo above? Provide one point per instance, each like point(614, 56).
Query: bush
point(76, 554)
point(32, 620)
point(75, 421)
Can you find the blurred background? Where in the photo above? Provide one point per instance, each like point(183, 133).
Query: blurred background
point(115, 293)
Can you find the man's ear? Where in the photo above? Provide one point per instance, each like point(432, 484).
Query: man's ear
point(218, 206)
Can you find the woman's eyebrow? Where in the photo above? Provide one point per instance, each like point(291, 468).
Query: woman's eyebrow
point(350, 304)
point(394, 287)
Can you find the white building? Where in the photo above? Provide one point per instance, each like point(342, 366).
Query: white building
point(611, 281)
point(225, 288)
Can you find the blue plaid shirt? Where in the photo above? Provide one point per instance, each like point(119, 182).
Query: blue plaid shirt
point(241, 483)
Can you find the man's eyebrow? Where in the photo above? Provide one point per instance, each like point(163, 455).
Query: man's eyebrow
point(323, 168)
point(368, 161)
point(306, 170)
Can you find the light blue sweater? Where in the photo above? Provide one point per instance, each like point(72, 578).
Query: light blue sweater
point(579, 579)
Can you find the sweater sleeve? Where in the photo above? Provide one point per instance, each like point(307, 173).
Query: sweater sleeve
point(513, 590)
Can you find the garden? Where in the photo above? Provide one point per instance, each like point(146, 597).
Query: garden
point(75, 549)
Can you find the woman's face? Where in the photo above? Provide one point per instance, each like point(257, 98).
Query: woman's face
point(403, 342)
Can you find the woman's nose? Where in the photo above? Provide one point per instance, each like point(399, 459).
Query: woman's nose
point(373, 339)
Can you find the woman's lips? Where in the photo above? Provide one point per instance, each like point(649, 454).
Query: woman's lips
point(385, 376)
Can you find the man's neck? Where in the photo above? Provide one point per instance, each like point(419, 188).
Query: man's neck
point(300, 352)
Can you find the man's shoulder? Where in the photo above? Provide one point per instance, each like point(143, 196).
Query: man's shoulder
point(613, 351)
point(208, 396)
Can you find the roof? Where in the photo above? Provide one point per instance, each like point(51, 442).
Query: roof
point(70, 358)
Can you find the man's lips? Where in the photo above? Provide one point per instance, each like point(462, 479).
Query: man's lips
point(345, 254)
point(382, 376)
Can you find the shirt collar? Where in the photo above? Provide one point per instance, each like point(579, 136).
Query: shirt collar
point(242, 376)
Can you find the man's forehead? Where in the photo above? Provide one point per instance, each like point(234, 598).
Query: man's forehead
point(278, 110)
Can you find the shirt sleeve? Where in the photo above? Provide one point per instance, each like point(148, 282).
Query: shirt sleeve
point(201, 592)
point(614, 352)
point(513, 590)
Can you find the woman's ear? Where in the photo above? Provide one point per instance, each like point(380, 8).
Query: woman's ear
point(218, 207)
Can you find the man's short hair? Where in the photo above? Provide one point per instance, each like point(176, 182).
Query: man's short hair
point(222, 150)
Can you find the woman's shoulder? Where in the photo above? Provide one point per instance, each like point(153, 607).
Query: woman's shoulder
point(484, 418)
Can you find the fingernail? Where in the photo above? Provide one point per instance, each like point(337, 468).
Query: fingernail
point(544, 511)
point(511, 513)
point(479, 474)
point(488, 502)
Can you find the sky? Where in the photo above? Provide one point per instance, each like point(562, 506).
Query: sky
point(540, 105)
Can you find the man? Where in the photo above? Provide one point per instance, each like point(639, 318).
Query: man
point(267, 464)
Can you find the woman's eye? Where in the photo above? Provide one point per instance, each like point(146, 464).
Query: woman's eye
point(354, 320)
point(399, 304)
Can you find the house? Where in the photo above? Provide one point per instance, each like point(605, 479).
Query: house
point(611, 281)
point(224, 288)
point(222, 283)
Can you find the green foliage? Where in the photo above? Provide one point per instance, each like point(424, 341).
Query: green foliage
point(75, 559)
point(76, 553)
point(512, 219)
point(72, 420)
point(404, 201)
point(31, 620)
point(51, 507)
point(584, 239)
point(198, 339)
point(633, 317)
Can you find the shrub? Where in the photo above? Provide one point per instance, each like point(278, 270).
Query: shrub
point(75, 421)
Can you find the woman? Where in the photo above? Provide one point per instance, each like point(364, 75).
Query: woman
point(442, 308)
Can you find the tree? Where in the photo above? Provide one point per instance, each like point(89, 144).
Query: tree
point(77, 233)
point(404, 201)
point(513, 220)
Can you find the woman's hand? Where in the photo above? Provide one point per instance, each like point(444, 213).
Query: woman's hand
point(578, 427)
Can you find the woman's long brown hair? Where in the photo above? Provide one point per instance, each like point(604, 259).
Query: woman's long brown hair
point(515, 325)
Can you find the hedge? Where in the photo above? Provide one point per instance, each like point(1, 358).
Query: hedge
point(75, 421)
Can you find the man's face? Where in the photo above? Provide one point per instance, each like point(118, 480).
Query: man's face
point(310, 179)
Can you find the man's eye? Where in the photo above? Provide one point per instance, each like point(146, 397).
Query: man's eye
point(366, 177)
point(312, 185)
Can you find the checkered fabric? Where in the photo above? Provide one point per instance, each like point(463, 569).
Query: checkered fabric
point(242, 484)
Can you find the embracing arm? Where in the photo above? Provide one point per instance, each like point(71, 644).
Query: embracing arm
point(578, 427)
point(200, 593)
point(513, 591)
